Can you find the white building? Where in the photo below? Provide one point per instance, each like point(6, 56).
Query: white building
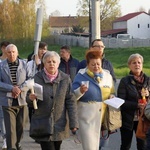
point(136, 24)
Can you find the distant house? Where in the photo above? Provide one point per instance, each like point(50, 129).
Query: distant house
point(60, 24)
point(136, 24)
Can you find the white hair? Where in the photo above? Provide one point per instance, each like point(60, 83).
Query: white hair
point(12, 45)
point(51, 54)
point(133, 56)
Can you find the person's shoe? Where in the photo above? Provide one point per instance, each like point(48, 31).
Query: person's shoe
point(19, 147)
point(37, 141)
point(4, 147)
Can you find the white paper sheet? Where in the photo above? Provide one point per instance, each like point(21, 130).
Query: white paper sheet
point(114, 102)
point(9, 94)
point(38, 90)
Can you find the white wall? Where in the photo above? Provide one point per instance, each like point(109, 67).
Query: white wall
point(132, 26)
point(120, 25)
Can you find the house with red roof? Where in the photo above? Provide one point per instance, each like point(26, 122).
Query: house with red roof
point(135, 24)
point(60, 24)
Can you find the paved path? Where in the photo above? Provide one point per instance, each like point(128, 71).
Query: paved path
point(69, 144)
point(29, 144)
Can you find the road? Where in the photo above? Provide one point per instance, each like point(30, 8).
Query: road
point(69, 144)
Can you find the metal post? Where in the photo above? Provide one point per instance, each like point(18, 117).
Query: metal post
point(37, 39)
point(95, 14)
point(38, 29)
point(90, 24)
point(38, 32)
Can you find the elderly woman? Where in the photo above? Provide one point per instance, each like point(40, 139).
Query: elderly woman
point(132, 89)
point(98, 85)
point(57, 98)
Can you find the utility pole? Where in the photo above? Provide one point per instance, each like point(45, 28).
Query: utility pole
point(90, 24)
point(37, 39)
point(95, 16)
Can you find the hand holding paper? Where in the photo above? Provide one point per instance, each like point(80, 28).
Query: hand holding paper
point(38, 90)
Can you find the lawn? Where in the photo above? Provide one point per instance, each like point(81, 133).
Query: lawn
point(118, 57)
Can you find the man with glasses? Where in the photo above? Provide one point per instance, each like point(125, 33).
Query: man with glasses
point(98, 44)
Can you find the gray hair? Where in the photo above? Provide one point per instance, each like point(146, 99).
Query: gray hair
point(51, 54)
point(133, 56)
point(11, 45)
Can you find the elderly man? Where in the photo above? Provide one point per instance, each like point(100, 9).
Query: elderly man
point(13, 75)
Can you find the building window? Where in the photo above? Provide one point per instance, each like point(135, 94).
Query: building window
point(148, 25)
point(138, 25)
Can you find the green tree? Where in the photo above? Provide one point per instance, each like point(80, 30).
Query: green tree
point(77, 28)
point(109, 10)
point(18, 17)
point(6, 7)
point(25, 18)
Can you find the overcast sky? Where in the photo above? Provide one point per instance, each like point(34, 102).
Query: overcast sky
point(68, 7)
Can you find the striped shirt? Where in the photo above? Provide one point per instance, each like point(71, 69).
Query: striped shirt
point(13, 69)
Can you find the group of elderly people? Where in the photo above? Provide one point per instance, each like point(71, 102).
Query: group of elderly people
point(76, 102)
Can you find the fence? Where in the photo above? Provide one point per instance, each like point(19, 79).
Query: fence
point(109, 42)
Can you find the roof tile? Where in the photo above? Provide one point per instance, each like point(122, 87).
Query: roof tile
point(129, 16)
point(65, 21)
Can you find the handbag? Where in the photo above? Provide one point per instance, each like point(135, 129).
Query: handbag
point(143, 126)
point(42, 126)
point(112, 119)
point(147, 111)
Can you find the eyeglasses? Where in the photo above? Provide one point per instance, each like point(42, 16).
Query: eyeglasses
point(98, 46)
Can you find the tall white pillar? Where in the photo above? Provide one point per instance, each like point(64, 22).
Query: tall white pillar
point(95, 17)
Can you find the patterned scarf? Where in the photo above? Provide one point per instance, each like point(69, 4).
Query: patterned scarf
point(50, 76)
point(138, 79)
point(97, 76)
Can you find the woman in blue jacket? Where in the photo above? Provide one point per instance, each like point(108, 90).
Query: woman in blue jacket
point(90, 99)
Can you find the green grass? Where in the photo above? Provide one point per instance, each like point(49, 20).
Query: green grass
point(118, 57)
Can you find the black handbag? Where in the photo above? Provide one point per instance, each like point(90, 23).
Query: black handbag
point(42, 126)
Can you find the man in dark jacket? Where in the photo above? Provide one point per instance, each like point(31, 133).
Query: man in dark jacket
point(98, 44)
point(68, 64)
